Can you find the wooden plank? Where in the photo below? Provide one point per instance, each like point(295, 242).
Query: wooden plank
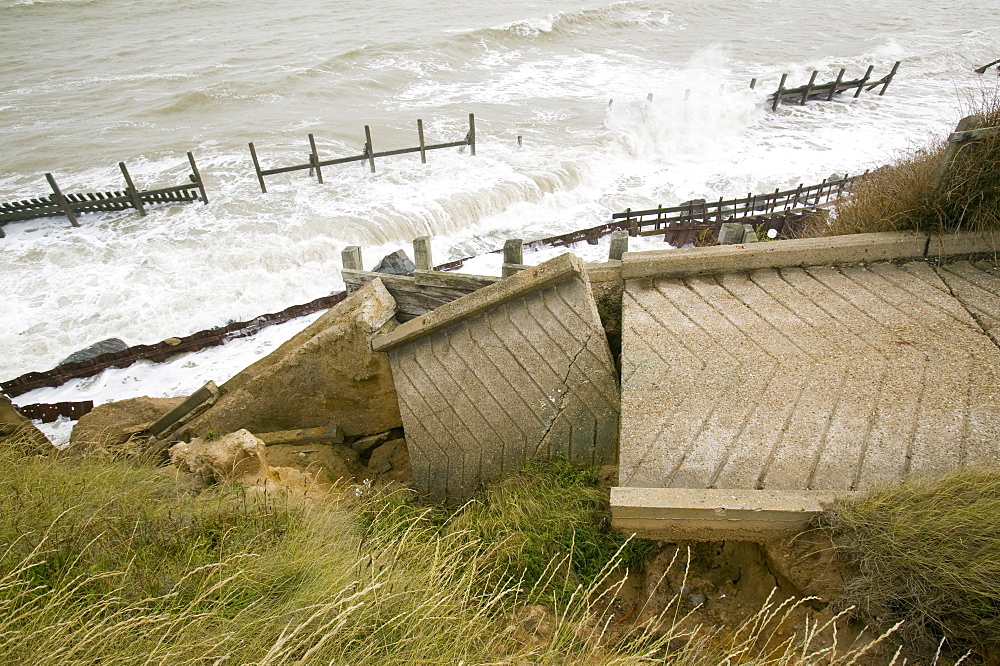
point(460, 281)
point(808, 88)
point(60, 200)
point(314, 159)
point(368, 148)
point(982, 70)
point(256, 167)
point(836, 84)
point(472, 134)
point(777, 95)
point(132, 192)
point(863, 80)
point(196, 177)
point(420, 136)
point(972, 135)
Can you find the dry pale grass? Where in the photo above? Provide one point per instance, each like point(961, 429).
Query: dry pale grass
point(902, 196)
point(928, 552)
point(106, 561)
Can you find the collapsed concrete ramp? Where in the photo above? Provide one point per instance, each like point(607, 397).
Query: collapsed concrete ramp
point(515, 371)
point(752, 398)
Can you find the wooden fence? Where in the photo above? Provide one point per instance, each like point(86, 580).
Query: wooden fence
point(826, 91)
point(70, 205)
point(315, 164)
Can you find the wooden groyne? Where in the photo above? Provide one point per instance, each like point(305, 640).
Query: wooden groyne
point(315, 164)
point(57, 203)
point(826, 91)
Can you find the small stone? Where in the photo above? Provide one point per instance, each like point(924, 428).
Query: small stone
point(397, 263)
point(365, 444)
point(697, 599)
point(173, 342)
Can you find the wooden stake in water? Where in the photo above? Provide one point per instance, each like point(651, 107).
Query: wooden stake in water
point(132, 192)
point(368, 148)
point(197, 177)
point(256, 166)
point(59, 200)
point(314, 159)
point(420, 135)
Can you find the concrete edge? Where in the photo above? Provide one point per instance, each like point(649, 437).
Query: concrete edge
point(710, 514)
point(946, 246)
point(608, 271)
point(523, 282)
point(835, 250)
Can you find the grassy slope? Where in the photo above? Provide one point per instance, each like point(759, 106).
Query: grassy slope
point(110, 562)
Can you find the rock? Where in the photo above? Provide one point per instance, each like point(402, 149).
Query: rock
point(833, 177)
point(327, 463)
point(326, 374)
point(731, 233)
point(19, 428)
point(391, 462)
point(108, 346)
point(397, 263)
point(173, 342)
point(365, 444)
point(238, 456)
point(697, 599)
point(113, 423)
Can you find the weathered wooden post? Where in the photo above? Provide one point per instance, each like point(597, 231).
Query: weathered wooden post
point(197, 177)
point(133, 194)
point(955, 142)
point(513, 256)
point(422, 257)
point(314, 159)
point(982, 70)
point(753, 83)
point(59, 200)
point(368, 148)
point(619, 245)
point(777, 95)
point(420, 135)
point(836, 84)
point(256, 166)
point(350, 258)
point(863, 81)
point(809, 87)
point(888, 79)
point(471, 136)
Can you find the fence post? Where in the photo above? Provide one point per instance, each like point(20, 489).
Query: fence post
point(197, 177)
point(951, 150)
point(132, 192)
point(863, 81)
point(888, 79)
point(314, 158)
point(777, 95)
point(619, 245)
point(753, 83)
point(472, 134)
point(513, 256)
point(59, 200)
point(256, 166)
point(368, 148)
point(422, 253)
point(809, 87)
point(350, 258)
point(420, 134)
point(836, 84)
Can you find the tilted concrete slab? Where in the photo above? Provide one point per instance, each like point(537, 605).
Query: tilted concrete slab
point(796, 380)
point(515, 371)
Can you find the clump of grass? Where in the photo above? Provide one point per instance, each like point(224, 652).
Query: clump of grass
point(104, 560)
point(903, 195)
point(928, 552)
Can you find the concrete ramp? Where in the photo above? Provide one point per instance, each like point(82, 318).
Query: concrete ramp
point(515, 371)
point(773, 391)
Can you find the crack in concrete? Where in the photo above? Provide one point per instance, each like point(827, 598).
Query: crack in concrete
point(560, 405)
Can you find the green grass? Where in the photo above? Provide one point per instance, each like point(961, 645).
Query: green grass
point(928, 555)
point(110, 561)
point(902, 195)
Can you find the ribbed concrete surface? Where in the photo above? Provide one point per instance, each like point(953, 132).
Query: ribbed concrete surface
point(528, 378)
point(808, 378)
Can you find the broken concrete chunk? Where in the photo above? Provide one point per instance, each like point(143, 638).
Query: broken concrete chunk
point(365, 444)
point(238, 457)
point(191, 406)
point(325, 374)
point(391, 462)
point(515, 371)
point(731, 233)
point(15, 424)
point(327, 434)
point(113, 423)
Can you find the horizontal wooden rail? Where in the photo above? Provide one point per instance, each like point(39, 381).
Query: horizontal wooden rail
point(315, 164)
point(57, 203)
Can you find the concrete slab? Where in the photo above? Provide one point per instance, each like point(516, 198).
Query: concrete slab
point(803, 379)
point(517, 370)
point(977, 287)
